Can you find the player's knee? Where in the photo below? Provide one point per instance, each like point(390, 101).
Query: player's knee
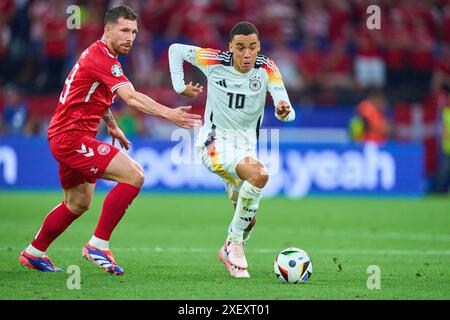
point(83, 207)
point(79, 206)
point(137, 178)
point(264, 178)
point(259, 179)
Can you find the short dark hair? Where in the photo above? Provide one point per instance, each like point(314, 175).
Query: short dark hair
point(243, 28)
point(122, 11)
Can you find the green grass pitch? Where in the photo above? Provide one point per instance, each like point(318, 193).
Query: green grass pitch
point(168, 245)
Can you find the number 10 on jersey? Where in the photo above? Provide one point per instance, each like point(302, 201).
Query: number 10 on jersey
point(238, 102)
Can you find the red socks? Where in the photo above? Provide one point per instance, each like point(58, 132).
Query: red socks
point(114, 207)
point(54, 224)
point(116, 203)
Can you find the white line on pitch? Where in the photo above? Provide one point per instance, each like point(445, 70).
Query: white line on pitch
point(250, 250)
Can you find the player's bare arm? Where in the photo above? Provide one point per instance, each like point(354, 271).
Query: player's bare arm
point(192, 91)
point(115, 131)
point(145, 104)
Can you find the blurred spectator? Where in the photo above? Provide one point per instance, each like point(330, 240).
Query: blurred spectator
point(370, 68)
point(269, 25)
point(130, 122)
point(55, 45)
point(422, 59)
point(338, 68)
point(314, 19)
point(443, 179)
point(340, 19)
point(398, 43)
point(359, 9)
point(17, 51)
point(5, 39)
point(371, 111)
point(283, 17)
point(190, 21)
point(311, 61)
point(7, 10)
point(91, 28)
point(157, 15)
point(144, 68)
point(323, 47)
point(15, 112)
point(446, 22)
point(36, 13)
point(441, 73)
point(286, 61)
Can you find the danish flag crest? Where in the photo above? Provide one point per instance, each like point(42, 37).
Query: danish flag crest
point(103, 149)
point(86, 152)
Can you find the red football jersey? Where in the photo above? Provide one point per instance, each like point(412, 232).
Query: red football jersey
point(88, 91)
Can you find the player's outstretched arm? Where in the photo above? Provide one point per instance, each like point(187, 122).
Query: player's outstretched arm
point(145, 104)
point(178, 53)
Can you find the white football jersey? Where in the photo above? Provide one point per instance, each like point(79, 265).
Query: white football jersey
point(235, 101)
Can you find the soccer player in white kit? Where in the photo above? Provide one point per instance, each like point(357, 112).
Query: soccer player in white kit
point(238, 81)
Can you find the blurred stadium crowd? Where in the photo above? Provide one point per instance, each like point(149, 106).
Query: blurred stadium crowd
point(323, 48)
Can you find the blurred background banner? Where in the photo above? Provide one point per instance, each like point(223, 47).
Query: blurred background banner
point(296, 169)
point(348, 83)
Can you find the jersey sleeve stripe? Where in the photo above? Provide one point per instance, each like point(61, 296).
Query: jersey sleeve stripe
point(121, 84)
point(207, 57)
point(272, 70)
point(207, 54)
point(274, 77)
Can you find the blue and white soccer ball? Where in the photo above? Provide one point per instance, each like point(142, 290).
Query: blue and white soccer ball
point(293, 265)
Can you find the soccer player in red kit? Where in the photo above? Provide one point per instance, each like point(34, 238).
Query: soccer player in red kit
point(85, 99)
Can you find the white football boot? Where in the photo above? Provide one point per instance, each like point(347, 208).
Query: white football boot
point(233, 270)
point(235, 251)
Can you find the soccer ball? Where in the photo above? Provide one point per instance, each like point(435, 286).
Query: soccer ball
point(293, 265)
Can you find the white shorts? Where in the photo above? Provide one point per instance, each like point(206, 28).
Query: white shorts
point(222, 158)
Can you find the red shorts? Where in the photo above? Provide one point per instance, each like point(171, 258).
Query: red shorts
point(80, 157)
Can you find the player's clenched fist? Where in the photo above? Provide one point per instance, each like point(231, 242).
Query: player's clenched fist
point(182, 118)
point(282, 109)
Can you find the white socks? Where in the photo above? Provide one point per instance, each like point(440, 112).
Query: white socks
point(96, 242)
point(246, 235)
point(34, 252)
point(99, 243)
point(248, 202)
